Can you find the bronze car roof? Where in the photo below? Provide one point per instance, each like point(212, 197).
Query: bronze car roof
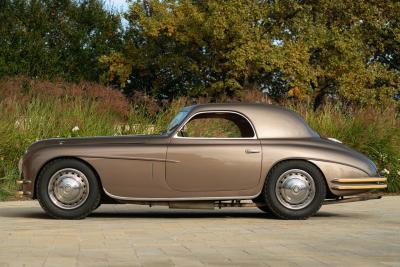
point(269, 121)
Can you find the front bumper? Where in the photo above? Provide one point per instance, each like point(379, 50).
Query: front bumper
point(25, 187)
point(361, 183)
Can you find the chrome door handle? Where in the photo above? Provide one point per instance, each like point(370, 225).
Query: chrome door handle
point(252, 151)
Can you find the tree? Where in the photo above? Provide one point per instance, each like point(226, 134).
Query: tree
point(344, 48)
point(48, 38)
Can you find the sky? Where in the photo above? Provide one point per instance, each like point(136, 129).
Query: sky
point(119, 5)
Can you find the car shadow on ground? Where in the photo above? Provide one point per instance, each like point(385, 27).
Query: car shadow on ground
point(37, 213)
point(188, 214)
point(201, 215)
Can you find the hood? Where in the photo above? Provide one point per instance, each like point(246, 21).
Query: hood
point(99, 140)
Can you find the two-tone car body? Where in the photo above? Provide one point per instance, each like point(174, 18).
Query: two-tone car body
point(276, 160)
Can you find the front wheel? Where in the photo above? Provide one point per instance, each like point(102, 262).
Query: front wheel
point(68, 189)
point(294, 190)
point(263, 207)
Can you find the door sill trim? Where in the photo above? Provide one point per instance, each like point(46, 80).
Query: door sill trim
point(177, 198)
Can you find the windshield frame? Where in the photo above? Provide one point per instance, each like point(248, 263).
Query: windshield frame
point(176, 121)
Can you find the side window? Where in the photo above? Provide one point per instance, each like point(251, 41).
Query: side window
point(217, 125)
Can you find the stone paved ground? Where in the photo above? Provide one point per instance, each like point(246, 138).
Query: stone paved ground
point(352, 234)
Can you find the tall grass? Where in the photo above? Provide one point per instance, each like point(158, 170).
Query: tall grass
point(34, 110)
point(43, 119)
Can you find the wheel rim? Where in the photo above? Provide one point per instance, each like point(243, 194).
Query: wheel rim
point(68, 188)
point(295, 189)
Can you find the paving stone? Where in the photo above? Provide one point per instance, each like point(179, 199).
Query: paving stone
point(353, 234)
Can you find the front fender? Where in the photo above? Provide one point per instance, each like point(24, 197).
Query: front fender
point(34, 160)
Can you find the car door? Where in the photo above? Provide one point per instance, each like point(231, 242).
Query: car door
point(218, 157)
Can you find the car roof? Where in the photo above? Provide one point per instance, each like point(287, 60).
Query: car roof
point(269, 121)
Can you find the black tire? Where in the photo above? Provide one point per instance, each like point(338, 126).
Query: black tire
point(98, 206)
point(259, 201)
point(275, 205)
point(263, 207)
point(86, 207)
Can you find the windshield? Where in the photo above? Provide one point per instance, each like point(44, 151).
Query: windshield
point(176, 121)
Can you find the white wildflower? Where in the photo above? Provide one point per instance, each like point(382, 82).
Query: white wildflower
point(398, 172)
point(385, 171)
point(118, 129)
point(75, 129)
point(17, 123)
point(151, 129)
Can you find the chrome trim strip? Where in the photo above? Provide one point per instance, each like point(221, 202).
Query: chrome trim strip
point(361, 187)
point(215, 138)
point(362, 183)
point(177, 198)
point(129, 158)
point(175, 135)
point(360, 180)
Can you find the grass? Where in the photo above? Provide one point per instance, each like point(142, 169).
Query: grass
point(42, 119)
point(33, 110)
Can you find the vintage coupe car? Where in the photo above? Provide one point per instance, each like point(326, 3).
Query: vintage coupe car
point(212, 155)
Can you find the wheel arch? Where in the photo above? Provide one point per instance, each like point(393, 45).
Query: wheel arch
point(34, 194)
point(328, 192)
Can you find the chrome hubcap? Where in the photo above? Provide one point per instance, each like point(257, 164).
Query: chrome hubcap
point(68, 188)
point(295, 189)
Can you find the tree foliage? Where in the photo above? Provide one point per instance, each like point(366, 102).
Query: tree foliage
point(345, 49)
point(349, 49)
point(56, 38)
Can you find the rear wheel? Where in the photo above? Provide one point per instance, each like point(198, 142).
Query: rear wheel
point(68, 189)
point(294, 190)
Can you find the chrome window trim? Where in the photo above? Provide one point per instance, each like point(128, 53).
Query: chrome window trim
point(175, 135)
